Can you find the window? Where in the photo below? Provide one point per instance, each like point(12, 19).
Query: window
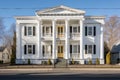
point(74, 49)
point(89, 31)
point(3, 56)
point(47, 30)
point(89, 49)
point(47, 50)
point(75, 29)
point(29, 30)
point(29, 49)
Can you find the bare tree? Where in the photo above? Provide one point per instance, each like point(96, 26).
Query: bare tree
point(111, 31)
point(2, 31)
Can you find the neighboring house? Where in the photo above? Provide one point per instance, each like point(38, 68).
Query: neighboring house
point(4, 55)
point(59, 33)
point(115, 53)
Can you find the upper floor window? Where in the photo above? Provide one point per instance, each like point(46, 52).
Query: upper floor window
point(47, 30)
point(90, 31)
point(74, 29)
point(29, 30)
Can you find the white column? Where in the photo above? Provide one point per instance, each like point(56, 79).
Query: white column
point(101, 46)
point(19, 44)
point(39, 40)
point(18, 49)
point(67, 40)
point(81, 42)
point(54, 40)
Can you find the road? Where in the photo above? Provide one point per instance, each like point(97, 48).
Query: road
point(59, 75)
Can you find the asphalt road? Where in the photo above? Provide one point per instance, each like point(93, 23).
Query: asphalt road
point(61, 77)
point(60, 74)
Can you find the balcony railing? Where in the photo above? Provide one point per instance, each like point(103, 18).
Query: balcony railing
point(74, 35)
point(47, 35)
point(75, 56)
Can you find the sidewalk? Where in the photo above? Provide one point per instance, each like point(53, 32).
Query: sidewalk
point(6, 66)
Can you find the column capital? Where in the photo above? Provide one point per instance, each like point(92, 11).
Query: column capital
point(81, 19)
point(67, 19)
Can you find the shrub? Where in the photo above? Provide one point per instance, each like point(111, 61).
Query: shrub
point(49, 62)
point(73, 62)
point(29, 61)
point(108, 58)
point(1, 61)
point(97, 61)
point(90, 61)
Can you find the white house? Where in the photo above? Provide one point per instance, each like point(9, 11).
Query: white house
point(59, 32)
point(5, 55)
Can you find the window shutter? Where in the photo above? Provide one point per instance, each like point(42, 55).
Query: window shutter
point(25, 30)
point(94, 49)
point(94, 30)
point(78, 48)
point(78, 29)
point(43, 30)
point(33, 49)
point(34, 30)
point(51, 30)
point(70, 29)
point(70, 48)
point(85, 30)
point(85, 49)
point(43, 49)
point(51, 50)
point(25, 47)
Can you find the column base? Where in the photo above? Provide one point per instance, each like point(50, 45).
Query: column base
point(102, 61)
point(81, 61)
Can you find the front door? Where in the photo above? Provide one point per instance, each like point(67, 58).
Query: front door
point(60, 31)
point(60, 51)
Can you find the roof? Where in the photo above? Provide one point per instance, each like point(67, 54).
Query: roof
point(54, 9)
point(2, 49)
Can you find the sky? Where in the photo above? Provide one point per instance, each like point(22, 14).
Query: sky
point(31, 6)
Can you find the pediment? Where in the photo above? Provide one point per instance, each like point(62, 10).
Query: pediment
point(60, 9)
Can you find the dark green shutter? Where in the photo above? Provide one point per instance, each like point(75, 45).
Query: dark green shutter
point(25, 48)
point(85, 49)
point(33, 49)
point(94, 49)
point(85, 30)
point(34, 30)
point(94, 30)
point(25, 30)
point(79, 29)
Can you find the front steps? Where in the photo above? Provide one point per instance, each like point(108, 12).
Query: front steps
point(61, 63)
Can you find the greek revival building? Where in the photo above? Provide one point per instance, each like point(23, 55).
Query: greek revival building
point(59, 33)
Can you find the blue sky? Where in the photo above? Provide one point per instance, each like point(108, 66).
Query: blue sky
point(41, 4)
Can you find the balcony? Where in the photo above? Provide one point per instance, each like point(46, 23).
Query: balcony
point(74, 35)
